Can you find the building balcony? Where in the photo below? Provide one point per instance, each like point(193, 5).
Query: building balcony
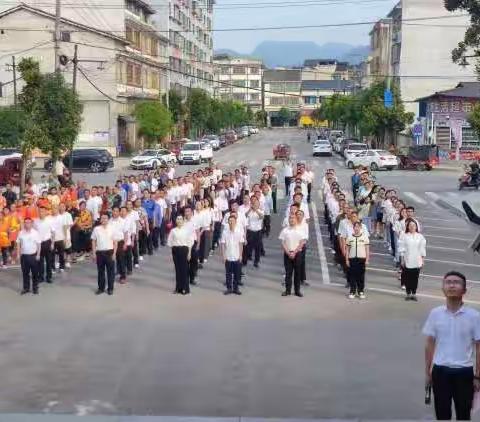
point(137, 92)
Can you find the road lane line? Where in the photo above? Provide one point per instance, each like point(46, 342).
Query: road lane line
point(443, 248)
point(432, 260)
point(446, 228)
point(440, 219)
point(321, 250)
point(448, 237)
point(415, 198)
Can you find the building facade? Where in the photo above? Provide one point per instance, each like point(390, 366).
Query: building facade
point(239, 79)
point(282, 90)
point(325, 70)
point(420, 53)
point(188, 24)
point(380, 49)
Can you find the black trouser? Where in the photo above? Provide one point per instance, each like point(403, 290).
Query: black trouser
point(193, 264)
point(46, 261)
point(274, 200)
point(288, 181)
point(129, 260)
point(105, 264)
point(150, 238)
point(156, 237)
point(452, 384)
point(309, 190)
point(292, 268)
point(29, 265)
point(356, 275)
point(142, 242)
point(83, 240)
point(204, 248)
point(135, 253)
point(410, 279)
point(180, 260)
point(217, 233)
point(266, 225)
point(5, 255)
point(121, 260)
point(392, 239)
point(163, 232)
point(254, 244)
point(233, 270)
point(59, 249)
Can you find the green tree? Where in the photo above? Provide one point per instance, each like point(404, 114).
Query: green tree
point(474, 119)
point(284, 115)
point(471, 39)
point(155, 121)
point(198, 104)
point(57, 111)
point(261, 118)
point(12, 126)
point(176, 106)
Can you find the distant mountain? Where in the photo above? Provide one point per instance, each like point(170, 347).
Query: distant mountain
point(293, 53)
point(228, 52)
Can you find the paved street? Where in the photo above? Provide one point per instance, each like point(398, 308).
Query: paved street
point(145, 351)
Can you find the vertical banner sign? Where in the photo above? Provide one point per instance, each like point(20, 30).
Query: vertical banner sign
point(388, 98)
point(456, 126)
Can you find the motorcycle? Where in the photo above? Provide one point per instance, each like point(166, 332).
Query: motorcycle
point(467, 181)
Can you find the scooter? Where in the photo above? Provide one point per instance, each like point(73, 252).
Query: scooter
point(466, 181)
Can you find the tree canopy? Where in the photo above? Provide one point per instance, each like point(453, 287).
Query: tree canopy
point(154, 120)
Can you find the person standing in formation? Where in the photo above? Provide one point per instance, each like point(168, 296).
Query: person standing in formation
point(45, 228)
point(357, 255)
point(254, 217)
point(180, 239)
point(293, 241)
point(28, 249)
point(104, 250)
point(232, 241)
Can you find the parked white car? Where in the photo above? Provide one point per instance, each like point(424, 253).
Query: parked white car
point(213, 140)
point(253, 130)
point(337, 145)
point(195, 153)
point(352, 149)
point(322, 147)
point(245, 131)
point(152, 158)
point(376, 159)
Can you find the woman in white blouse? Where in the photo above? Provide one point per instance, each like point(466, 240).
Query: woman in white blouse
point(181, 241)
point(412, 248)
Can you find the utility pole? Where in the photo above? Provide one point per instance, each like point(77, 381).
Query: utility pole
point(263, 101)
point(75, 68)
point(57, 34)
point(13, 68)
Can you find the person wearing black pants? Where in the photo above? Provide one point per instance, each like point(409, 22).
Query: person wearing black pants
point(288, 175)
point(44, 226)
point(357, 254)
point(412, 251)
point(180, 239)
point(254, 217)
point(452, 340)
point(28, 249)
point(232, 246)
point(104, 250)
point(293, 241)
point(191, 225)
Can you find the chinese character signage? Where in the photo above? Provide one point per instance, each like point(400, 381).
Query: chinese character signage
point(456, 105)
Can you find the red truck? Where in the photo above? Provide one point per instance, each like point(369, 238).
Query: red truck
point(281, 152)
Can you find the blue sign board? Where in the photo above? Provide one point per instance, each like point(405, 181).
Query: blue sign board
point(417, 130)
point(388, 99)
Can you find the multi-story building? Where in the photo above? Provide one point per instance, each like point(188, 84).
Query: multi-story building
point(238, 79)
point(188, 24)
point(282, 90)
point(421, 42)
point(133, 69)
point(324, 70)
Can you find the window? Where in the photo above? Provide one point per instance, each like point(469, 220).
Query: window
point(276, 86)
point(130, 72)
point(254, 97)
point(310, 100)
point(292, 86)
point(121, 76)
point(153, 47)
point(254, 70)
point(291, 100)
point(65, 36)
point(254, 84)
point(129, 33)
point(225, 70)
point(239, 70)
point(276, 101)
point(240, 83)
point(239, 97)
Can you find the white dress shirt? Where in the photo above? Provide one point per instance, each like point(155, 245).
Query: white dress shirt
point(292, 237)
point(412, 247)
point(104, 238)
point(231, 241)
point(29, 241)
point(60, 225)
point(45, 228)
point(192, 226)
point(119, 228)
point(303, 229)
point(180, 236)
point(94, 205)
point(254, 220)
point(454, 334)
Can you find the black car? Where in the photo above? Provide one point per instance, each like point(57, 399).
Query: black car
point(92, 159)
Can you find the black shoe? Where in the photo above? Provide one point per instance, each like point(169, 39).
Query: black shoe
point(24, 292)
point(240, 283)
point(35, 292)
point(242, 274)
point(407, 298)
point(227, 292)
point(286, 294)
point(110, 292)
point(262, 253)
point(193, 283)
point(200, 266)
point(298, 294)
point(414, 298)
point(256, 265)
point(99, 292)
point(305, 283)
point(49, 281)
point(237, 292)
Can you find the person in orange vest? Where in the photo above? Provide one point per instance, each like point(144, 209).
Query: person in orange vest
point(43, 202)
point(14, 223)
point(4, 242)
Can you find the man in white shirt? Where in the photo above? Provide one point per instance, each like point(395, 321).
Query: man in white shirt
point(67, 226)
point(254, 218)
point(191, 224)
point(94, 204)
point(130, 229)
point(232, 241)
point(293, 241)
point(104, 249)
point(60, 229)
point(28, 249)
point(302, 227)
point(121, 234)
point(46, 230)
point(452, 333)
point(162, 202)
point(288, 174)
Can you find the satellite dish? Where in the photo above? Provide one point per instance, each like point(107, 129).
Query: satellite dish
point(63, 60)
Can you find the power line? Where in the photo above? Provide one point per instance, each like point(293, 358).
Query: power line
point(97, 88)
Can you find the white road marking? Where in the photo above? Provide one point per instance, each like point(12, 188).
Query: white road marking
point(446, 249)
point(447, 237)
point(415, 198)
point(432, 195)
point(438, 219)
point(321, 250)
point(446, 228)
point(432, 260)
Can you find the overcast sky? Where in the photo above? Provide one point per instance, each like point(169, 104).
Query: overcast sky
point(313, 14)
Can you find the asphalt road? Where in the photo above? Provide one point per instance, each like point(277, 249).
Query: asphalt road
point(145, 351)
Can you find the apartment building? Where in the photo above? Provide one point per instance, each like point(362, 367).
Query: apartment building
point(419, 36)
point(188, 24)
point(282, 90)
point(238, 79)
point(324, 70)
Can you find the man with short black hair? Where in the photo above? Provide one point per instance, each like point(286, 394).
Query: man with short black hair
point(453, 332)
